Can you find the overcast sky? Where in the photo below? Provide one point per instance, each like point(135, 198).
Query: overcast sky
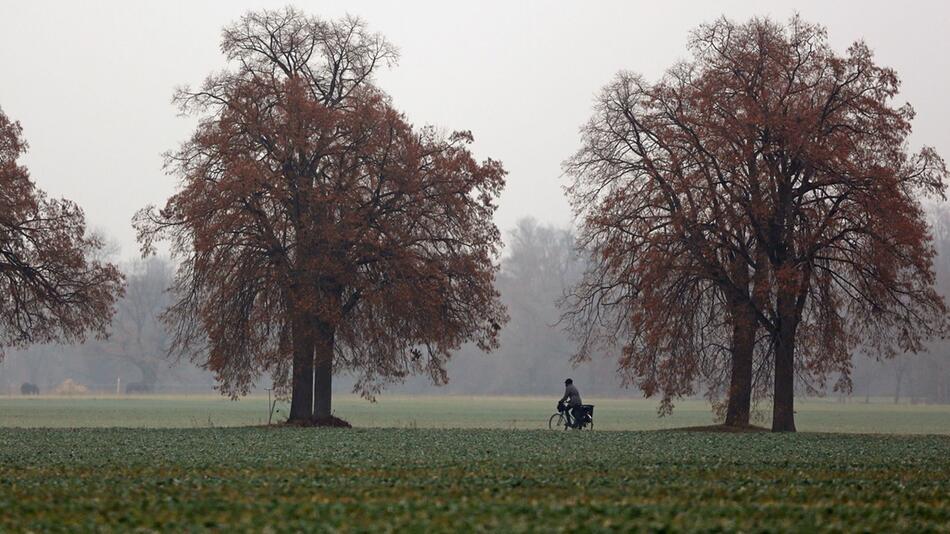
point(91, 82)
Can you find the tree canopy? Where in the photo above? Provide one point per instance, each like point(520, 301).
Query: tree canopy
point(776, 171)
point(53, 284)
point(317, 229)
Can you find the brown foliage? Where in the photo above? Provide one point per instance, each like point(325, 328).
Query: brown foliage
point(768, 148)
point(52, 285)
point(315, 226)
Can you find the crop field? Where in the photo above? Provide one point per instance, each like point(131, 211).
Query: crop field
point(293, 479)
point(495, 470)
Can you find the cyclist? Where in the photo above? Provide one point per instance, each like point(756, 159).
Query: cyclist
point(572, 400)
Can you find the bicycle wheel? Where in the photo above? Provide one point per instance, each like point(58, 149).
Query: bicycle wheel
point(557, 422)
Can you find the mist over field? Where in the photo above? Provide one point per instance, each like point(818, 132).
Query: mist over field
point(486, 266)
point(521, 78)
point(533, 359)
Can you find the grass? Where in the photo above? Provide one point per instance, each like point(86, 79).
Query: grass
point(447, 412)
point(421, 480)
point(212, 474)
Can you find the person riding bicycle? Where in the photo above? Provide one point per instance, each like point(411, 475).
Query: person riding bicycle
point(572, 400)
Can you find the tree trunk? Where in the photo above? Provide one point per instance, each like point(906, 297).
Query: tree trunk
point(897, 386)
point(323, 372)
point(149, 377)
point(742, 315)
point(742, 312)
point(301, 397)
point(783, 409)
point(740, 386)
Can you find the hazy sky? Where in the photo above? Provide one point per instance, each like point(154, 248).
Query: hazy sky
point(91, 81)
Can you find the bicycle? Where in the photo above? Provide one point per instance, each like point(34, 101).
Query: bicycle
point(563, 419)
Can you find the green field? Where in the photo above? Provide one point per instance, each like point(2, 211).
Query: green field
point(412, 478)
point(447, 412)
point(431, 479)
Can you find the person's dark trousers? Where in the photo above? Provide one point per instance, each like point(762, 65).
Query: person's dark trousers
point(578, 414)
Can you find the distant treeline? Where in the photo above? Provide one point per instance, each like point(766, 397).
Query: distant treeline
point(539, 265)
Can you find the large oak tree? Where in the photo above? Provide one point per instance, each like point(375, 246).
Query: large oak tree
point(53, 284)
point(782, 170)
point(318, 230)
point(669, 278)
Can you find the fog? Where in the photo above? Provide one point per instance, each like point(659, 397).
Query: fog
point(91, 84)
point(533, 359)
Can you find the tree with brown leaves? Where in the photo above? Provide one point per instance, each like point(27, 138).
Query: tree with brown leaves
point(669, 277)
point(780, 169)
point(317, 230)
point(53, 286)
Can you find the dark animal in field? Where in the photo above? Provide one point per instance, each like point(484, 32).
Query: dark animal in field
point(29, 389)
point(138, 387)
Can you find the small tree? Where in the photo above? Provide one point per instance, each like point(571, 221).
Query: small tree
point(317, 230)
point(136, 334)
point(52, 286)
